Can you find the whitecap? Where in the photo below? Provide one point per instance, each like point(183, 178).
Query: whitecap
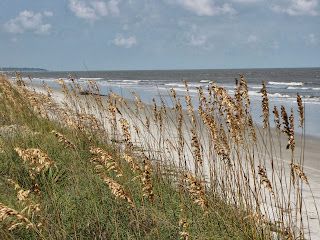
point(174, 85)
point(287, 83)
point(131, 81)
point(297, 88)
point(91, 79)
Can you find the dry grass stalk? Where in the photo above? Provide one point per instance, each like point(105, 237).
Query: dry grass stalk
point(126, 133)
point(276, 117)
point(146, 180)
point(288, 127)
point(155, 110)
point(300, 110)
point(245, 93)
point(179, 116)
point(112, 109)
point(222, 146)
point(138, 102)
point(210, 122)
point(183, 225)
point(190, 107)
point(36, 160)
point(265, 106)
point(264, 180)
point(228, 108)
point(131, 161)
point(247, 118)
point(143, 173)
point(22, 194)
point(62, 139)
point(31, 208)
point(195, 143)
point(89, 122)
point(218, 136)
point(296, 169)
point(117, 190)
point(285, 121)
point(14, 218)
point(197, 191)
point(252, 129)
point(103, 160)
point(238, 100)
point(256, 218)
point(21, 218)
point(292, 142)
point(196, 148)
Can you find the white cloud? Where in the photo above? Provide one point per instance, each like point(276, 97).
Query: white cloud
point(206, 7)
point(28, 21)
point(246, 1)
point(275, 45)
point(14, 40)
point(48, 13)
point(298, 7)
point(93, 10)
point(113, 6)
point(100, 8)
point(252, 39)
point(311, 39)
point(197, 40)
point(128, 42)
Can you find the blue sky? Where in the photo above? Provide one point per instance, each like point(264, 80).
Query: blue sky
point(159, 34)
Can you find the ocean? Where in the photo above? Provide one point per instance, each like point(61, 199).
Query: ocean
point(282, 85)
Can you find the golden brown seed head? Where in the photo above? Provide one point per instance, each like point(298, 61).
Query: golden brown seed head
point(300, 110)
point(36, 160)
point(265, 106)
point(276, 117)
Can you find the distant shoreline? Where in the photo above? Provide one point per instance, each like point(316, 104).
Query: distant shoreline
point(12, 69)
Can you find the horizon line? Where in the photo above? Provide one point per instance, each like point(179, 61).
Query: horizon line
point(160, 69)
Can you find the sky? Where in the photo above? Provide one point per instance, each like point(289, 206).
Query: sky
point(159, 34)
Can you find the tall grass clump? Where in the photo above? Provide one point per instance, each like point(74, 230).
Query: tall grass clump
point(90, 166)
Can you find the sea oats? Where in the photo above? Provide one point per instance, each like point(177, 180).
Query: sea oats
point(146, 179)
point(291, 142)
point(298, 170)
point(14, 218)
point(183, 225)
point(102, 159)
point(117, 190)
point(276, 117)
point(300, 110)
point(36, 160)
point(126, 133)
point(196, 148)
point(22, 194)
point(197, 191)
point(265, 105)
point(155, 110)
point(138, 102)
point(288, 127)
point(264, 180)
point(131, 161)
point(62, 139)
point(190, 107)
point(245, 93)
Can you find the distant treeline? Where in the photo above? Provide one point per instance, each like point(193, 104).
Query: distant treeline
point(10, 69)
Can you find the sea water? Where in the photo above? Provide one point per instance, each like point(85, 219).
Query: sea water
point(282, 85)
